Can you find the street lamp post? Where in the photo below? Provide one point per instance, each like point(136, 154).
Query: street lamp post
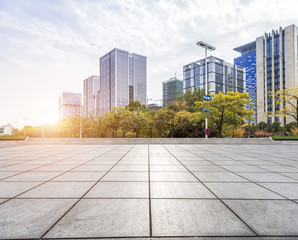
point(210, 48)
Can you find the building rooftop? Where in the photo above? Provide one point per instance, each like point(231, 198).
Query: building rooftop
point(246, 48)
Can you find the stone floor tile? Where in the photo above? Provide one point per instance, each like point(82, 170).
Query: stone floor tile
point(79, 176)
point(266, 177)
point(92, 168)
point(30, 218)
point(219, 177)
point(104, 218)
point(179, 190)
point(126, 176)
point(241, 191)
point(59, 190)
point(11, 189)
point(268, 217)
point(33, 176)
point(119, 190)
point(171, 176)
point(177, 217)
point(130, 168)
point(288, 190)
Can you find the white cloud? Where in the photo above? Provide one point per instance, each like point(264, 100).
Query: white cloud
point(51, 46)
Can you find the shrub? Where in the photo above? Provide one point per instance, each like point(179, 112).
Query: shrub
point(259, 134)
point(295, 131)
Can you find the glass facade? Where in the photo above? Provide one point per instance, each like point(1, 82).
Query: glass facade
point(122, 79)
point(221, 76)
point(91, 87)
point(248, 61)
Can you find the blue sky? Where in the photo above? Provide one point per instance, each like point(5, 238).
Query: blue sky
point(51, 46)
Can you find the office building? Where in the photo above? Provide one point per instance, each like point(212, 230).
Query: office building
point(6, 130)
point(276, 68)
point(154, 106)
point(221, 76)
point(248, 61)
point(90, 91)
point(171, 89)
point(69, 105)
point(122, 79)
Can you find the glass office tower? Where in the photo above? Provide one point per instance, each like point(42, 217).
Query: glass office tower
point(123, 77)
point(248, 61)
point(91, 87)
point(221, 76)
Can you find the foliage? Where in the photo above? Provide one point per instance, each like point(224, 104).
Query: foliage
point(190, 97)
point(259, 134)
point(287, 99)
point(225, 110)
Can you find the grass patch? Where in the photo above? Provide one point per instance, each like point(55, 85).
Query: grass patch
point(285, 137)
point(7, 138)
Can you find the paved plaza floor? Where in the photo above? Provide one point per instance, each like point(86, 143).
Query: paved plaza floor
point(149, 191)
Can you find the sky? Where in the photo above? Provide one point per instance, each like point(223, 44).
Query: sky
point(50, 46)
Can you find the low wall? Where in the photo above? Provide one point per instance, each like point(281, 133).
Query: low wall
point(89, 141)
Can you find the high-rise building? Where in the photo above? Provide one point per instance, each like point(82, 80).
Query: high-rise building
point(276, 68)
point(122, 79)
point(6, 130)
point(248, 61)
point(221, 76)
point(69, 105)
point(91, 88)
point(171, 89)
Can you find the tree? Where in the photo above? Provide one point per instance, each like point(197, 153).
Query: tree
point(262, 126)
point(224, 109)
point(248, 113)
point(275, 127)
point(135, 106)
point(151, 122)
point(190, 97)
point(125, 122)
point(169, 119)
point(287, 100)
point(138, 121)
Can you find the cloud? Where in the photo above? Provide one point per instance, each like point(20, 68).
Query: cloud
point(51, 46)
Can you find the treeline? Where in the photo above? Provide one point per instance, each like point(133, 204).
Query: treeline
point(185, 117)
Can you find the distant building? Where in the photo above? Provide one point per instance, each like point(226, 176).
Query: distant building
point(171, 89)
point(69, 105)
point(248, 61)
point(153, 106)
point(123, 77)
point(6, 130)
point(91, 88)
point(221, 76)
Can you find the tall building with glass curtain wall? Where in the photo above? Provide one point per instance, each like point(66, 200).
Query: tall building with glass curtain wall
point(123, 77)
point(248, 61)
point(221, 76)
point(277, 68)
